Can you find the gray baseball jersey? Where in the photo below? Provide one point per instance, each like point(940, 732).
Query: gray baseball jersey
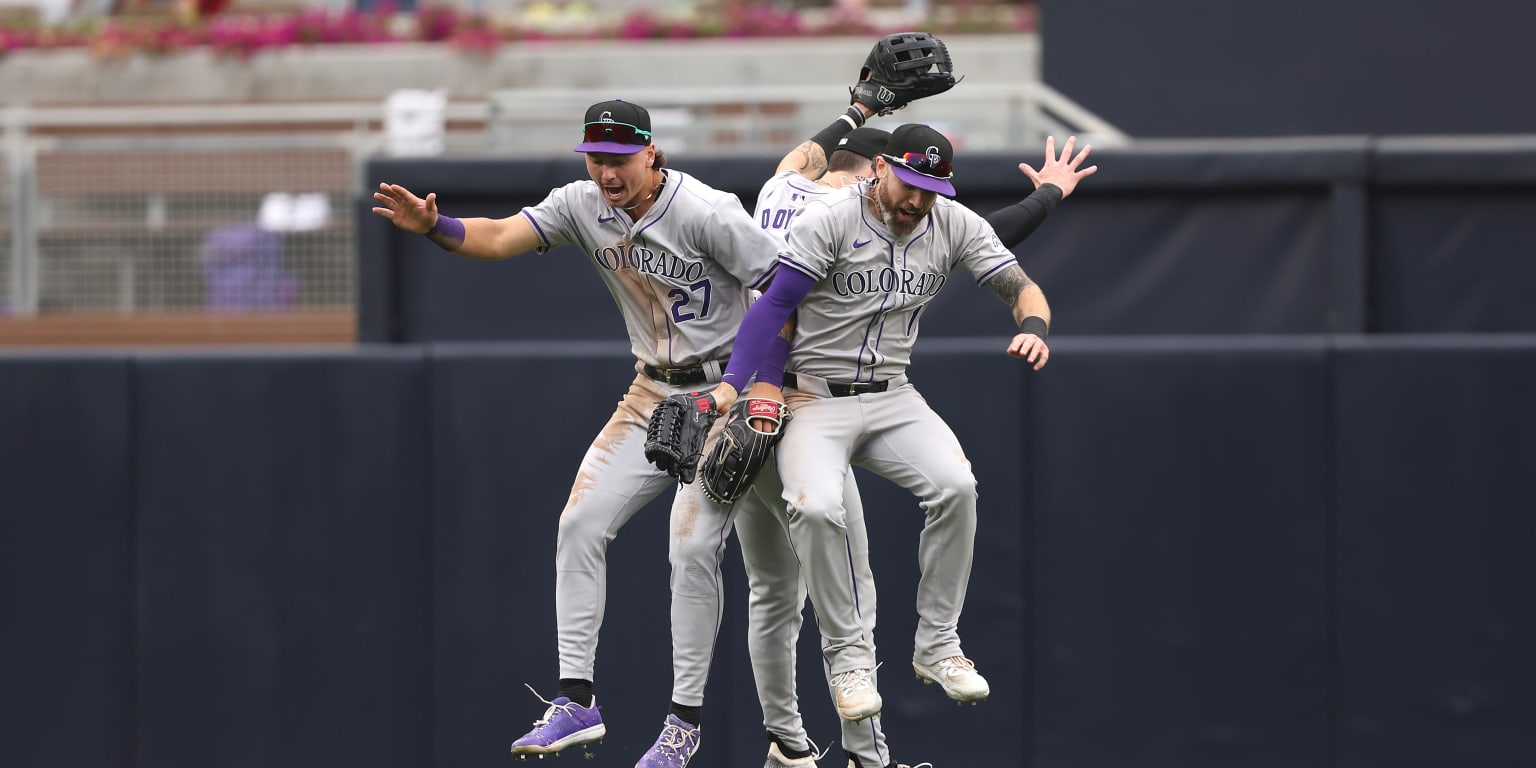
point(782, 197)
point(860, 320)
point(680, 274)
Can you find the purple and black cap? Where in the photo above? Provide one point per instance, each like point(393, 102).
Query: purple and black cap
point(864, 141)
point(922, 157)
point(617, 127)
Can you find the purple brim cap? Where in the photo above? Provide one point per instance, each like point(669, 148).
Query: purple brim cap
point(913, 178)
point(611, 147)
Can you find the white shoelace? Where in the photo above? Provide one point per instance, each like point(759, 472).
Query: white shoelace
point(553, 708)
point(817, 753)
point(850, 682)
point(675, 738)
point(955, 665)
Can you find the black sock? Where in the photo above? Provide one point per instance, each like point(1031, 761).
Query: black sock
point(577, 690)
point(786, 749)
point(687, 714)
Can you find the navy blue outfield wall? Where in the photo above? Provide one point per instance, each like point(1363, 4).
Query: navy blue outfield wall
point(1286, 236)
point(1223, 552)
point(1184, 68)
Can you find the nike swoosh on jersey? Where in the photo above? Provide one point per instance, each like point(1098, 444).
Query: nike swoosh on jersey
point(604, 219)
point(859, 244)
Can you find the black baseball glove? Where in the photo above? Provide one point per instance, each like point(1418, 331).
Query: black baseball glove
point(901, 69)
point(674, 439)
point(741, 449)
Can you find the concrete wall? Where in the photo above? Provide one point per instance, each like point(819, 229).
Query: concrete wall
point(369, 73)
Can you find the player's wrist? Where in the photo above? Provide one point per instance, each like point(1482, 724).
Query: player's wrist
point(447, 232)
point(1036, 325)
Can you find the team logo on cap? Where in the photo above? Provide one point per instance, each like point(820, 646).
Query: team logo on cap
point(606, 117)
point(933, 156)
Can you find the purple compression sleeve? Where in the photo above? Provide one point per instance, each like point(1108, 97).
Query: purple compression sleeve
point(754, 341)
point(772, 369)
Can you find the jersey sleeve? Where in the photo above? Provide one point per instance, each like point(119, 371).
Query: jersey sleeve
point(735, 240)
point(554, 218)
point(982, 252)
point(811, 245)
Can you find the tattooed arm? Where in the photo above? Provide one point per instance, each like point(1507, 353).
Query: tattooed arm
point(808, 160)
point(1021, 294)
point(1030, 312)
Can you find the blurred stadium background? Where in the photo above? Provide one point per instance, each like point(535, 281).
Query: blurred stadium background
point(269, 494)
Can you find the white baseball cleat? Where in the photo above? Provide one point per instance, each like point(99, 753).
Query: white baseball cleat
point(777, 758)
point(857, 698)
point(957, 675)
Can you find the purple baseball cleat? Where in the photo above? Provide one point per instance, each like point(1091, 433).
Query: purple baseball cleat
point(677, 743)
point(565, 724)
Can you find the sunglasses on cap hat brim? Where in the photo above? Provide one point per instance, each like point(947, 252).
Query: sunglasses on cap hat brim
point(923, 171)
point(611, 137)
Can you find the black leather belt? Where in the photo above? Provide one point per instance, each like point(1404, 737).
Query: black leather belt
point(680, 377)
point(840, 389)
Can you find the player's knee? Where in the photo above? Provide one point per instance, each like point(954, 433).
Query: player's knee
point(581, 528)
point(695, 579)
point(822, 510)
point(955, 484)
point(696, 553)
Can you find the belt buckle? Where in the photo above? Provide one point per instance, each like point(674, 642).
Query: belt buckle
point(865, 387)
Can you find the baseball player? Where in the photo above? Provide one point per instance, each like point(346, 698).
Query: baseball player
point(680, 259)
point(837, 157)
point(860, 265)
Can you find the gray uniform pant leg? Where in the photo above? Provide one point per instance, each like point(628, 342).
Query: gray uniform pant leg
point(866, 739)
point(813, 458)
point(775, 601)
point(613, 483)
point(699, 531)
point(775, 605)
point(911, 445)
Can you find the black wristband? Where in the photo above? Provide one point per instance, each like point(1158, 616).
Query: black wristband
point(1036, 325)
point(827, 137)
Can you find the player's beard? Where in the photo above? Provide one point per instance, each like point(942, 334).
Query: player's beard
point(887, 210)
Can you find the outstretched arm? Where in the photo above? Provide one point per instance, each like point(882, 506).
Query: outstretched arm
point(476, 238)
point(1064, 170)
point(1031, 314)
point(1057, 178)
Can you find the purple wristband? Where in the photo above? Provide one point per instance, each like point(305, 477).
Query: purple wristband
point(447, 232)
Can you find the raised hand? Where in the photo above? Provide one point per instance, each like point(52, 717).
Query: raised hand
point(1065, 170)
point(404, 209)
